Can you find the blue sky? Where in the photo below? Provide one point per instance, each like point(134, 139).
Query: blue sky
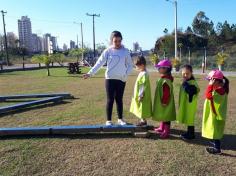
point(138, 20)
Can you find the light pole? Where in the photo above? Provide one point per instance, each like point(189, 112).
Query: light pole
point(93, 15)
point(82, 38)
point(189, 56)
point(175, 4)
point(5, 37)
point(205, 57)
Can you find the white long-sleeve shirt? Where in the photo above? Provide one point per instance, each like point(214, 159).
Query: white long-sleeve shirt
point(119, 63)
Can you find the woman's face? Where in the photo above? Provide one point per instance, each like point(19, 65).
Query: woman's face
point(116, 41)
point(186, 74)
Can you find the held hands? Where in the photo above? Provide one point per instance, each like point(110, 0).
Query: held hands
point(86, 76)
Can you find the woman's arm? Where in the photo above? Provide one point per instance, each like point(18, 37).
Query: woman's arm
point(100, 62)
point(129, 63)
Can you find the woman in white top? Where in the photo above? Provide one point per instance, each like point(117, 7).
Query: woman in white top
point(119, 66)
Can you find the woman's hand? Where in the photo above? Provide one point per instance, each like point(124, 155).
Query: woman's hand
point(86, 76)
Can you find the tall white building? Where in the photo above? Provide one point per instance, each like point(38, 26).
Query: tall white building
point(72, 44)
point(25, 33)
point(136, 47)
point(65, 47)
point(36, 44)
point(54, 43)
point(49, 43)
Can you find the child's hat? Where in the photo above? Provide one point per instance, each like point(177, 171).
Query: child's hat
point(164, 63)
point(215, 74)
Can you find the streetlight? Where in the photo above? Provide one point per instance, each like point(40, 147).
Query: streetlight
point(205, 57)
point(82, 38)
point(93, 15)
point(189, 56)
point(175, 4)
point(204, 61)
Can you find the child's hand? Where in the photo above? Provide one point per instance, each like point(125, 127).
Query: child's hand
point(140, 99)
point(212, 81)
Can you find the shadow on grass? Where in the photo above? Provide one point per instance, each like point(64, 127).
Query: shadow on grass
point(228, 141)
point(33, 107)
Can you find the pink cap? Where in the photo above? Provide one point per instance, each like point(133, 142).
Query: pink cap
point(164, 63)
point(215, 74)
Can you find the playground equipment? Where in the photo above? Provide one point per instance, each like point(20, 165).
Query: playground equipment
point(83, 129)
point(74, 68)
point(51, 98)
point(61, 130)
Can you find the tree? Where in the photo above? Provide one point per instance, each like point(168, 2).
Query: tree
point(189, 30)
point(77, 52)
point(202, 25)
point(59, 58)
point(43, 59)
point(154, 58)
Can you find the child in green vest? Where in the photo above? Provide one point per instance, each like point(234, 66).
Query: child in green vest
point(188, 96)
point(164, 105)
point(141, 104)
point(215, 109)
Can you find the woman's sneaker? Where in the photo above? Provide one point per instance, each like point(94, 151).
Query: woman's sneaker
point(121, 122)
point(109, 123)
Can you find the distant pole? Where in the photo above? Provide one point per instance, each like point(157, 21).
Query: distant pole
point(77, 41)
point(5, 36)
point(205, 57)
point(189, 56)
point(176, 51)
point(82, 40)
point(176, 24)
point(93, 15)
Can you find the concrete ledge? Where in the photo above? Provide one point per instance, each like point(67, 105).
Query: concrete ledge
point(12, 97)
point(18, 106)
point(83, 129)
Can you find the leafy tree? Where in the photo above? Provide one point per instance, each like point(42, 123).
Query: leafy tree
point(43, 59)
point(202, 25)
point(77, 52)
point(59, 58)
point(154, 58)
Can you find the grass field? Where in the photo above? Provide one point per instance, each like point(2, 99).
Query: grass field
point(118, 154)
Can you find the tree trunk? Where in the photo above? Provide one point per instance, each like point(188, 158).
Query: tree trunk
point(48, 71)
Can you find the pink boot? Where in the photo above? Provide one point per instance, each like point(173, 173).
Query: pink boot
point(160, 129)
point(165, 134)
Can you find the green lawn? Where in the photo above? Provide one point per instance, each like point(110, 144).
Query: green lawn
point(118, 154)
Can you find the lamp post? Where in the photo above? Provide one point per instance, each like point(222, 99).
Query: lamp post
point(93, 15)
point(189, 56)
point(82, 38)
point(175, 5)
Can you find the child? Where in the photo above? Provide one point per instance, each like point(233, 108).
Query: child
point(141, 104)
point(215, 108)
point(164, 105)
point(188, 96)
